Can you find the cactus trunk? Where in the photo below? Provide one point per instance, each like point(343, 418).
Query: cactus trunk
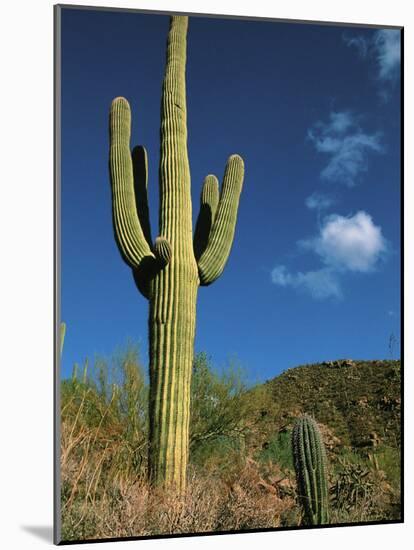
point(173, 299)
point(172, 328)
point(169, 271)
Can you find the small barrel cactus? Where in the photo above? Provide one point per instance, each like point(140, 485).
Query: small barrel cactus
point(311, 470)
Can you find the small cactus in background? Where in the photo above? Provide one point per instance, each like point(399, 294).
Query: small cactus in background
point(311, 470)
point(62, 336)
point(169, 270)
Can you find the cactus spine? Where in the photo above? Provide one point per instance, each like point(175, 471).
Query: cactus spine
point(169, 272)
point(311, 470)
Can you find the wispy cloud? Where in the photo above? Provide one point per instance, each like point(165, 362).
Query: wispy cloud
point(346, 145)
point(384, 48)
point(387, 50)
point(359, 42)
point(319, 201)
point(343, 245)
point(320, 284)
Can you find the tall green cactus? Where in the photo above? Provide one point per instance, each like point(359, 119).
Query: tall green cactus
point(169, 272)
point(311, 470)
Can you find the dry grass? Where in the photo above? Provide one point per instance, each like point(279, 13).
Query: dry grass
point(99, 502)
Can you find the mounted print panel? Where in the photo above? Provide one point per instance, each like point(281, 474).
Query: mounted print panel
point(228, 274)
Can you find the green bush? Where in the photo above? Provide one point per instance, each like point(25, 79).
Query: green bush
point(219, 407)
point(278, 450)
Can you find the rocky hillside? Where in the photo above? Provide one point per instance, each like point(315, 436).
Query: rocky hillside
point(359, 402)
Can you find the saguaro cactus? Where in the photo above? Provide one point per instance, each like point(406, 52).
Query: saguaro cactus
point(169, 271)
point(311, 470)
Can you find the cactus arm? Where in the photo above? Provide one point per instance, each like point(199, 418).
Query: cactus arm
point(214, 258)
point(151, 266)
point(163, 251)
point(127, 227)
point(208, 205)
point(140, 170)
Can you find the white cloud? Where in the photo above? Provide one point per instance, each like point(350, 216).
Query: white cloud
point(344, 244)
point(319, 201)
point(346, 144)
point(351, 244)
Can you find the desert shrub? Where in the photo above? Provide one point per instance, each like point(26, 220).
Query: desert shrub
point(388, 459)
point(360, 491)
point(103, 428)
point(278, 450)
point(219, 410)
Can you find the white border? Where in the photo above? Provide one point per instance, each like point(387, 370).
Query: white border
point(26, 299)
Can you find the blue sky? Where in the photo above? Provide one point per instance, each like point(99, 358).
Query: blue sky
point(314, 272)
